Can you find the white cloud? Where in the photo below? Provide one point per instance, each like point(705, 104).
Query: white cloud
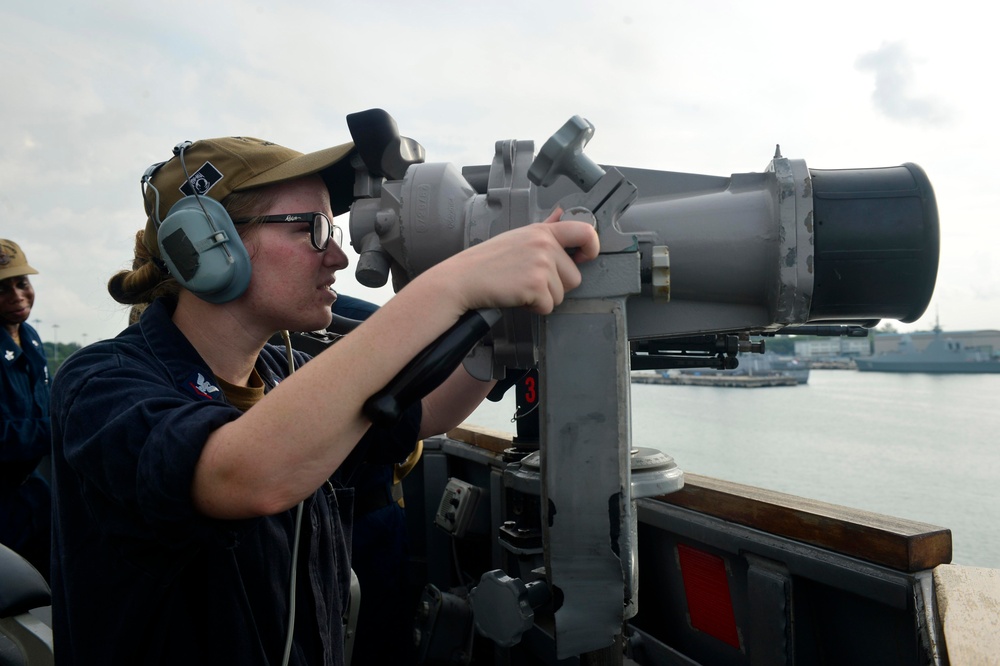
point(894, 95)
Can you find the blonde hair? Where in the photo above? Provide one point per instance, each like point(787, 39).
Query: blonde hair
point(148, 278)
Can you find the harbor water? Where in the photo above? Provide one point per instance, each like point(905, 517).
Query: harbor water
point(916, 446)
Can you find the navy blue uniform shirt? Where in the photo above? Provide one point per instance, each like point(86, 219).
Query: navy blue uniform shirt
point(25, 438)
point(24, 405)
point(139, 576)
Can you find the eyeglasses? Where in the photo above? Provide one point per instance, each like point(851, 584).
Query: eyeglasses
point(321, 232)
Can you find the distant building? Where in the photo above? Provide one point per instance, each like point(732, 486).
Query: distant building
point(987, 341)
point(832, 347)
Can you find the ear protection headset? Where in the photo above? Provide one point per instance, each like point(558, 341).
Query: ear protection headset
point(198, 240)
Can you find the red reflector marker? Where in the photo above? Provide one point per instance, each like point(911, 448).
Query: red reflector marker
point(706, 587)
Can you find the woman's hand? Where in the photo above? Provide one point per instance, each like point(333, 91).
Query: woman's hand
point(526, 267)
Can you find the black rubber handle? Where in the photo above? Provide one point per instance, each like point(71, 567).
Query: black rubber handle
point(430, 368)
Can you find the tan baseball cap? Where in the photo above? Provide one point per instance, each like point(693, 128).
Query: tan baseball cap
point(216, 167)
point(13, 263)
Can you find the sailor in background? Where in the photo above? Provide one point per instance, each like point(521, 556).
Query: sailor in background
point(25, 497)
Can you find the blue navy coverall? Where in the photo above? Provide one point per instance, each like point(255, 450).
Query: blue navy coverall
point(26, 438)
point(139, 576)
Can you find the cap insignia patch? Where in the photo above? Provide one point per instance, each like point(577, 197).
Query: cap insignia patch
point(202, 180)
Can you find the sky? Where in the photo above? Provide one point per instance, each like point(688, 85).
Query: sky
point(94, 92)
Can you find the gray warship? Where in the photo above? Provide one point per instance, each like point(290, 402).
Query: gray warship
point(942, 356)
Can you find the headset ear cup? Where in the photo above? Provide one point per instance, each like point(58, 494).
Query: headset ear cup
point(199, 244)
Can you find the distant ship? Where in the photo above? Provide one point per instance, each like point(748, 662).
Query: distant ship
point(772, 365)
point(942, 356)
point(754, 371)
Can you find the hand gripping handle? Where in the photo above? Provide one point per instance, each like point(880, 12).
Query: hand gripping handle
point(430, 367)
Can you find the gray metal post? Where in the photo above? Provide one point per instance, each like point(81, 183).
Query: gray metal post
point(585, 447)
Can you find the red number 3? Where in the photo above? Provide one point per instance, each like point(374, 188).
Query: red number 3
point(529, 394)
